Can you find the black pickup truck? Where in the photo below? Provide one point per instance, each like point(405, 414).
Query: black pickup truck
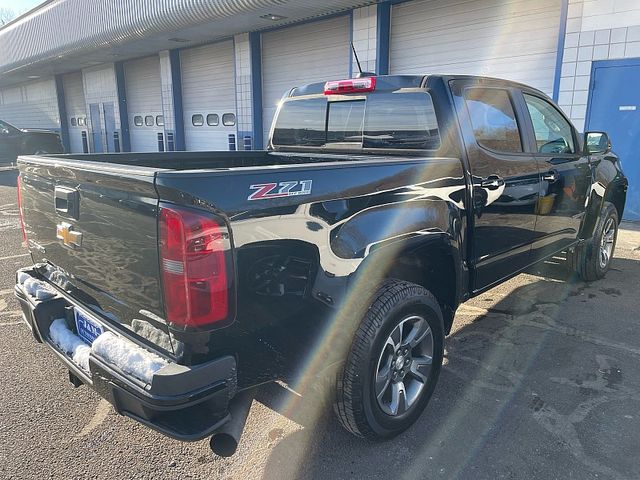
point(175, 283)
point(20, 141)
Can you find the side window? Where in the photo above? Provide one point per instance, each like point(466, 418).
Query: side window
point(493, 119)
point(137, 121)
point(160, 120)
point(148, 121)
point(553, 133)
point(213, 120)
point(74, 122)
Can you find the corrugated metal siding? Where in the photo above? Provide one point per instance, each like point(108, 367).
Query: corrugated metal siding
point(208, 87)
point(302, 54)
point(516, 40)
point(32, 105)
point(76, 108)
point(63, 28)
point(144, 97)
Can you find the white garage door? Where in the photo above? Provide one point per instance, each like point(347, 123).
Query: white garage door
point(31, 105)
point(516, 40)
point(144, 103)
point(302, 54)
point(76, 109)
point(208, 96)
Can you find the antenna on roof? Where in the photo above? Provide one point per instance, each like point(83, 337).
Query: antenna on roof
point(360, 72)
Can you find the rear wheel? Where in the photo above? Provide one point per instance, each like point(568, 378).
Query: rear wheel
point(393, 366)
point(592, 260)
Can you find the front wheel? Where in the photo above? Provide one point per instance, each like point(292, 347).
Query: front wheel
point(592, 260)
point(393, 366)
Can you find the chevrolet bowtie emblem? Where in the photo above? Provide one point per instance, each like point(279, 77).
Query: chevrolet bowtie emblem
point(71, 238)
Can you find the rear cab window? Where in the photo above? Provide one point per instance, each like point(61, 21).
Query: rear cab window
point(493, 119)
point(381, 120)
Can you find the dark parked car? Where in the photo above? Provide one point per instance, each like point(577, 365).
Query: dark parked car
point(17, 141)
point(174, 283)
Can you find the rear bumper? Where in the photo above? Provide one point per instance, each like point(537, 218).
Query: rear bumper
point(185, 403)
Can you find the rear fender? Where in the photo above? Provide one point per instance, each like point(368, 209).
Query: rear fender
point(420, 244)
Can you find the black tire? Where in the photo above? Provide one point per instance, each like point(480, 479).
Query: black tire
point(586, 259)
point(356, 405)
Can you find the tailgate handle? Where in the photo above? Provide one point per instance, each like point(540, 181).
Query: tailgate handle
point(67, 202)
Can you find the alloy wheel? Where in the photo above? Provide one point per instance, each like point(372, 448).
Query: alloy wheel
point(607, 241)
point(403, 366)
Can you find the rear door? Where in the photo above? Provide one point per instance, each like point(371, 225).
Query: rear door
point(564, 171)
point(505, 179)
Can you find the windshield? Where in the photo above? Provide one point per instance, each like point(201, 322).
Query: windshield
point(7, 128)
point(381, 121)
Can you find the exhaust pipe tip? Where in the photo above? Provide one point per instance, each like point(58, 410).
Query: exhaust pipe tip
point(225, 441)
point(223, 444)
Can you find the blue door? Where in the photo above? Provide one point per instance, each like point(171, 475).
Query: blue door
point(96, 127)
point(110, 126)
point(614, 107)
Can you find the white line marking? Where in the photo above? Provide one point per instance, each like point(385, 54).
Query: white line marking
point(8, 324)
point(102, 410)
point(14, 256)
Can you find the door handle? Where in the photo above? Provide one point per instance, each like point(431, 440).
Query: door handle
point(492, 182)
point(550, 176)
point(67, 202)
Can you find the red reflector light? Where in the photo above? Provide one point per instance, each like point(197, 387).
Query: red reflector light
point(353, 85)
point(24, 230)
point(195, 275)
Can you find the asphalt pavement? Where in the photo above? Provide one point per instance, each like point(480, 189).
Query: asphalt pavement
point(541, 380)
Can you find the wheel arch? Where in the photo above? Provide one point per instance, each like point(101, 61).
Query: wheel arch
point(434, 263)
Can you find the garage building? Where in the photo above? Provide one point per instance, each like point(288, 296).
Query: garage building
point(208, 75)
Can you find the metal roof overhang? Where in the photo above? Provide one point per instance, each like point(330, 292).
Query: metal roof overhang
point(61, 36)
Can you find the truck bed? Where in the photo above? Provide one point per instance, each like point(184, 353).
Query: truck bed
point(207, 160)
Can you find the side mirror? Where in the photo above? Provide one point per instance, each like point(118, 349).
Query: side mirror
point(596, 143)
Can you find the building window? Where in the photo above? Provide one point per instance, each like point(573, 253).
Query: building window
point(493, 119)
point(137, 121)
point(213, 120)
point(81, 121)
point(197, 120)
point(160, 120)
point(229, 119)
point(74, 122)
point(148, 121)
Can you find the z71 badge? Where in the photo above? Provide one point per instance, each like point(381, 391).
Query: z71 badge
point(265, 191)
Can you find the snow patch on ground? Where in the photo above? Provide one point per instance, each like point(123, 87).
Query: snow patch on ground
point(127, 356)
point(70, 343)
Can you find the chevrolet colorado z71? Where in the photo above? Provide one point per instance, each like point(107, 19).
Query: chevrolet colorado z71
point(173, 283)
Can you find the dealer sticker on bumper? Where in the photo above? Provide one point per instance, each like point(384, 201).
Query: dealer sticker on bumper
point(88, 329)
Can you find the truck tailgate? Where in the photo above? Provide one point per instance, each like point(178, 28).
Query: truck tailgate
point(94, 226)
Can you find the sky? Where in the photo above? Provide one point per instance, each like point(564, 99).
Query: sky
point(19, 6)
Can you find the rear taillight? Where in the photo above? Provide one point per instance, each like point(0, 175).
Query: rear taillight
point(24, 230)
point(196, 268)
point(353, 85)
